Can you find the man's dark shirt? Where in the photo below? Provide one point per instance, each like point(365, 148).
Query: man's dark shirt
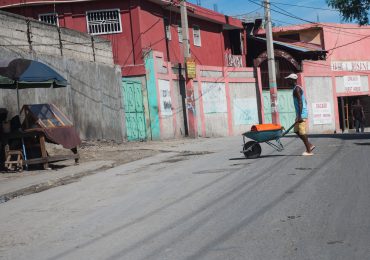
point(357, 112)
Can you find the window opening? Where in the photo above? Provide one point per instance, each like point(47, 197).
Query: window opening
point(196, 36)
point(167, 27)
point(104, 21)
point(179, 30)
point(235, 42)
point(50, 18)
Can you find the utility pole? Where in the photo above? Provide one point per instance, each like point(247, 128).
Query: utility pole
point(190, 100)
point(185, 29)
point(271, 65)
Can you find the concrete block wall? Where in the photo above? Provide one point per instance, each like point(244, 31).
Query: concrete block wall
point(26, 35)
point(92, 100)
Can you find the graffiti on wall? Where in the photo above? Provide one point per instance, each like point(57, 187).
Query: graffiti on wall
point(214, 97)
point(245, 111)
point(165, 97)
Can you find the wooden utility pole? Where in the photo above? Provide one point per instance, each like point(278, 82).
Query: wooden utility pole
point(190, 101)
point(271, 65)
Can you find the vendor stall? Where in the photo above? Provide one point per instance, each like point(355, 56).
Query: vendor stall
point(41, 123)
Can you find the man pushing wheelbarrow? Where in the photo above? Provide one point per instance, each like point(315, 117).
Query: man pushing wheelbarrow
point(273, 132)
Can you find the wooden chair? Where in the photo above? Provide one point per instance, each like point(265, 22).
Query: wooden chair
point(13, 159)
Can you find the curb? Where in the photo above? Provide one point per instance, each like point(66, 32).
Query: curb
point(36, 188)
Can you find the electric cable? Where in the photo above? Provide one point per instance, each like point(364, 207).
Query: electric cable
point(285, 13)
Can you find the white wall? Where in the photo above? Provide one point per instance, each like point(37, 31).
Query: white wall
point(319, 90)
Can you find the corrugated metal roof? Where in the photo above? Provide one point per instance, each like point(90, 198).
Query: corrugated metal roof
point(292, 46)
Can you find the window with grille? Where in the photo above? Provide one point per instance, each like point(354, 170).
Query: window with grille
point(50, 18)
point(196, 36)
point(179, 30)
point(104, 21)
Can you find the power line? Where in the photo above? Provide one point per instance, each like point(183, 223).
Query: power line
point(343, 45)
point(308, 21)
point(304, 6)
point(330, 29)
point(285, 13)
point(251, 12)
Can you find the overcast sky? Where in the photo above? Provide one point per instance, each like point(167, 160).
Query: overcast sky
point(311, 10)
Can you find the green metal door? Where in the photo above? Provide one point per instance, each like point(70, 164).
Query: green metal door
point(134, 110)
point(285, 106)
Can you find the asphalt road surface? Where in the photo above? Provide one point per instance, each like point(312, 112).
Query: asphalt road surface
point(206, 202)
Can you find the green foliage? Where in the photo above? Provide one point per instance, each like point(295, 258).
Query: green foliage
point(357, 10)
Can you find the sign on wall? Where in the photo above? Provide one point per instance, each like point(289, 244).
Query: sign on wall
point(245, 111)
point(191, 70)
point(214, 97)
point(322, 114)
point(165, 97)
point(352, 84)
point(350, 65)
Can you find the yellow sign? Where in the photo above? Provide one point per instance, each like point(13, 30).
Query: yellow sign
point(191, 70)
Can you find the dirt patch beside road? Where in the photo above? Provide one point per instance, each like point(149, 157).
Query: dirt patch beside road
point(119, 153)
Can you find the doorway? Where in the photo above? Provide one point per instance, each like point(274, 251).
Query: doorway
point(134, 110)
point(345, 111)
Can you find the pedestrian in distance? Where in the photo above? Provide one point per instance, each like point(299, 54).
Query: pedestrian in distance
point(358, 116)
point(300, 105)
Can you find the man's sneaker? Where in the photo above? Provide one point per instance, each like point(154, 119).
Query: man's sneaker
point(307, 154)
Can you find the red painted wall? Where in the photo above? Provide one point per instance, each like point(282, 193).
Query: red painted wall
point(349, 42)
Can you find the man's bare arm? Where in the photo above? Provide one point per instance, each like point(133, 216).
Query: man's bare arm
point(298, 94)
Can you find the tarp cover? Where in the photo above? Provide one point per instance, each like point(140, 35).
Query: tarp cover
point(66, 136)
point(266, 127)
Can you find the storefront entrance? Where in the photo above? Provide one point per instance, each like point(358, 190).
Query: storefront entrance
point(345, 112)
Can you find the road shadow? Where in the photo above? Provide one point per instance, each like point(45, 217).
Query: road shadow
point(361, 136)
point(362, 144)
point(266, 156)
point(239, 158)
point(280, 155)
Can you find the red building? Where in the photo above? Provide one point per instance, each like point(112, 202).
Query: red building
point(147, 43)
point(135, 27)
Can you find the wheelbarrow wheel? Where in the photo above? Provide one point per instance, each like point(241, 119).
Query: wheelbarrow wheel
point(252, 150)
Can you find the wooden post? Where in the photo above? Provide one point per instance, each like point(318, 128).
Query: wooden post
point(44, 154)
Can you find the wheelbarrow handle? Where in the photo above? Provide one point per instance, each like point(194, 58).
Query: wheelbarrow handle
point(287, 131)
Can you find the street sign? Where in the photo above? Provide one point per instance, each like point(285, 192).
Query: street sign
point(191, 71)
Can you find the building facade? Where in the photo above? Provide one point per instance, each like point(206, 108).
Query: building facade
point(333, 65)
point(147, 43)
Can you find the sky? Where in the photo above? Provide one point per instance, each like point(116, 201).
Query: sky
point(310, 10)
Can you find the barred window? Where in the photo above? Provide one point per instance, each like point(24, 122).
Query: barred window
point(50, 18)
point(104, 21)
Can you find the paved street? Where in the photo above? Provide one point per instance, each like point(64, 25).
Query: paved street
point(206, 202)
